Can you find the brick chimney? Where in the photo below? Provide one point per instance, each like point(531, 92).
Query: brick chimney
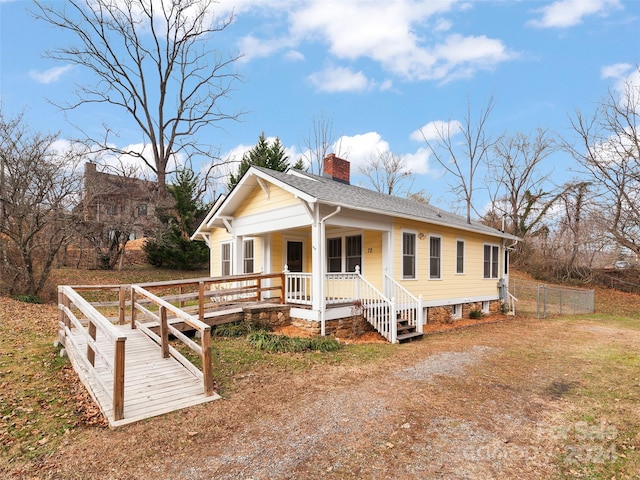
point(337, 168)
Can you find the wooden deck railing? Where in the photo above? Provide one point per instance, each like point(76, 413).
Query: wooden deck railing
point(203, 350)
point(93, 325)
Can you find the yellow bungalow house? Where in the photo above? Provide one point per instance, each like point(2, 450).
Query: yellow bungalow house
point(347, 250)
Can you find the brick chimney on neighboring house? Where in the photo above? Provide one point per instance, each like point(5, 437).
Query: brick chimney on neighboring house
point(337, 168)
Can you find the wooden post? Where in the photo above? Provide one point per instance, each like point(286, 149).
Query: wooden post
point(164, 332)
point(181, 291)
point(259, 289)
point(201, 301)
point(121, 300)
point(91, 354)
point(207, 369)
point(67, 303)
point(283, 279)
point(133, 308)
point(118, 380)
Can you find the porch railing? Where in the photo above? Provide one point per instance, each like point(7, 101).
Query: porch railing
point(408, 306)
point(298, 287)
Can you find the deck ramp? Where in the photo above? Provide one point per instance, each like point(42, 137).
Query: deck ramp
point(153, 385)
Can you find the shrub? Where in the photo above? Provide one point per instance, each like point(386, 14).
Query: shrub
point(271, 342)
point(475, 314)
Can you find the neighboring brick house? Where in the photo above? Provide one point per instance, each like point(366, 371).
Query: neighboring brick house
point(119, 201)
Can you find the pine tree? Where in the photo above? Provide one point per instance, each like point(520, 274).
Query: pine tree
point(272, 156)
point(172, 246)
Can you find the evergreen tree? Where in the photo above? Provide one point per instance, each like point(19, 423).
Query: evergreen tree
point(172, 246)
point(272, 156)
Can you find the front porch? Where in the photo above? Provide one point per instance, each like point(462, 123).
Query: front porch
point(394, 312)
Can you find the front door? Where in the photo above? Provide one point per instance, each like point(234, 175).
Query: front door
point(294, 256)
point(294, 264)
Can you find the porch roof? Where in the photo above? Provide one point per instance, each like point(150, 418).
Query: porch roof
point(328, 191)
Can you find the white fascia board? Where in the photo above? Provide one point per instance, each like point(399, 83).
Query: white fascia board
point(285, 218)
point(204, 226)
point(294, 191)
point(369, 221)
point(497, 233)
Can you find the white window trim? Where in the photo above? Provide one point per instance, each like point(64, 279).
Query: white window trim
point(343, 249)
point(429, 277)
point(415, 255)
point(486, 306)
point(456, 311)
point(464, 257)
point(253, 259)
point(490, 277)
point(230, 243)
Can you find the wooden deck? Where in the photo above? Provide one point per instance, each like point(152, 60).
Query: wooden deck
point(153, 385)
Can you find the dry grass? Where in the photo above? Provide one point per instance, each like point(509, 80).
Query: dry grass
point(521, 398)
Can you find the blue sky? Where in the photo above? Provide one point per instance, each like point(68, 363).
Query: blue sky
point(379, 69)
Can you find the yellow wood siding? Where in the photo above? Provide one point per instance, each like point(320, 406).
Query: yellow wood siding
point(451, 285)
point(218, 236)
point(258, 202)
point(277, 261)
point(372, 267)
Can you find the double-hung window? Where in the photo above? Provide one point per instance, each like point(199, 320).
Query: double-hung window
point(248, 256)
point(460, 256)
point(353, 247)
point(334, 254)
point(345, 259)
point(225, 259)
point(491, 260)
point(408, 255)
point(435, 256)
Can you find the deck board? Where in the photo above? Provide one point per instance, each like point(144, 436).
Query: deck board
point(153, 385)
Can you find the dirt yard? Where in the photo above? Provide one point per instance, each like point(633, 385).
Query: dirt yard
point(520, 398)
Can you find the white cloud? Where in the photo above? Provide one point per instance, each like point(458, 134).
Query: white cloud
point(294, 56)
point(403, 36)
point(434, 130)
point(627, 82)
point(567, 13)
point(340, 79)
point(49, 76)
point(442, 25)
point(417, 162)
point(615, 71)
point(359, 148)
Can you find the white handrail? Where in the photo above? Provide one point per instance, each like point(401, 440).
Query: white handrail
point(408, 306)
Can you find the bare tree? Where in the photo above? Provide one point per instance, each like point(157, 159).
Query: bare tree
point(462, 159)
point(319, 142)
point(40, 187)
point(519, 189)
point(151, 60)
point(608, 147)
point(387, 172)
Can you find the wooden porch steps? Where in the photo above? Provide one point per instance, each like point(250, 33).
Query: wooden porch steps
point(406, 332)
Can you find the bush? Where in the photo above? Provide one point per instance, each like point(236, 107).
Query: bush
point(475, 314)
point(271, 342)
point(27, 298)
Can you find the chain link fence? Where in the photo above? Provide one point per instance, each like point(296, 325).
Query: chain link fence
point(542, 300)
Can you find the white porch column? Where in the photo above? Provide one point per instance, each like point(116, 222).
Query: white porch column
point(237, 253)
point(317, 267)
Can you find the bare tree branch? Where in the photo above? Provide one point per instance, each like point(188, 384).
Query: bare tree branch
point(150, 60)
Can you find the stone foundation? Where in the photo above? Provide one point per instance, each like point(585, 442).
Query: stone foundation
point(443, 314)
point(349, 327)
point(275, 315)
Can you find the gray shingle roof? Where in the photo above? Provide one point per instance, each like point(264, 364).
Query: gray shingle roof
point(329, 191)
